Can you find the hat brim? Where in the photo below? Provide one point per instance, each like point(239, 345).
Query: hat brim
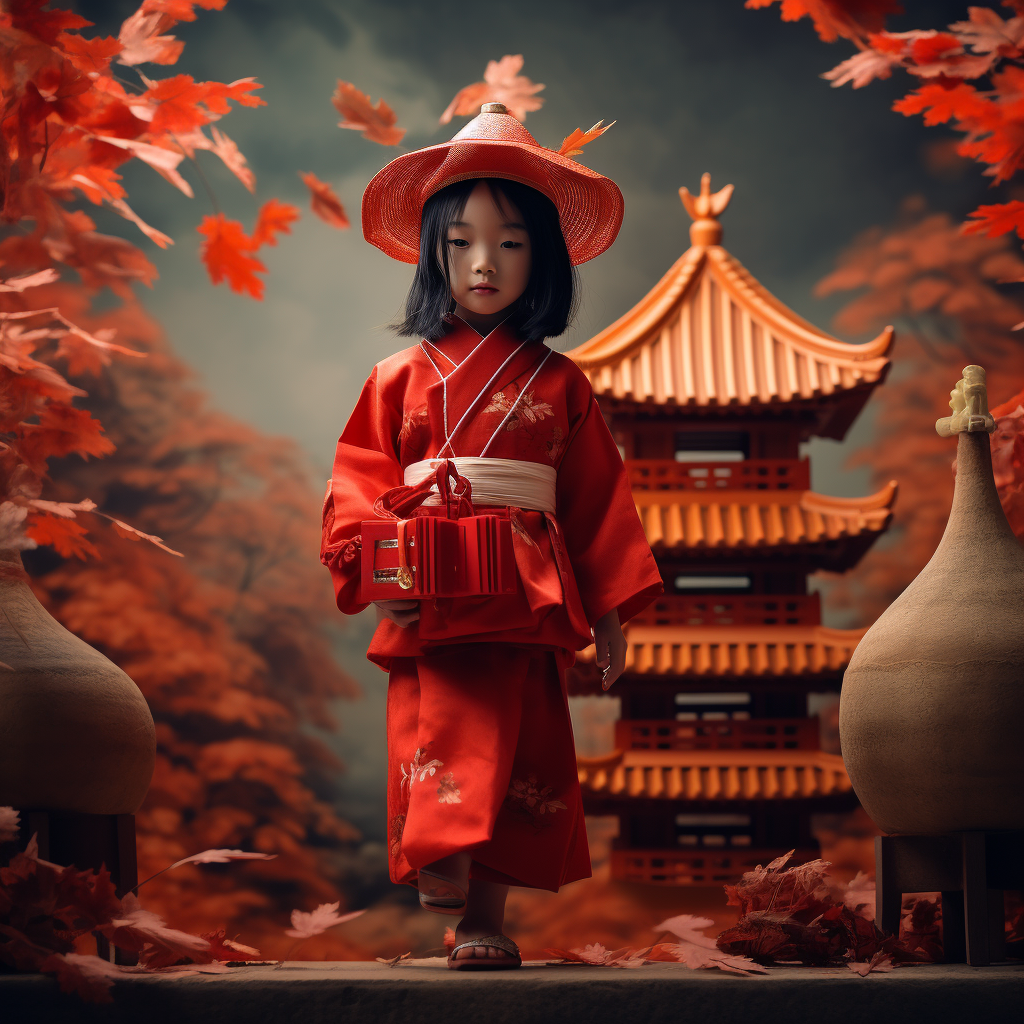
point(589, 204)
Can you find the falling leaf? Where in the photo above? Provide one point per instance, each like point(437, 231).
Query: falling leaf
point(502, 84)
point(574, 143)
point(227, 253)
point(377, 123)
point(221, 857)
point(306, 925)
point(324, 203)
point(274, 218)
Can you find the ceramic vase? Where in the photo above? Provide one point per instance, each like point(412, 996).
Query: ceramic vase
point(931, 714)
point(75, 732)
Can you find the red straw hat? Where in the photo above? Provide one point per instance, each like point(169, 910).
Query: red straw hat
point(493, 145)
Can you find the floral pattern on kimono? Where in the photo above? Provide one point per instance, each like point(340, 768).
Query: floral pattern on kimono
point(419, 770)
point(527, 409)
point(415, 432)
point(527, 800)
point(447, 791)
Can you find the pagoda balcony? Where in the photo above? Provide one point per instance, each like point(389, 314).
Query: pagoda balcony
point(711, 734)
point(745, 475)
point(695, 867)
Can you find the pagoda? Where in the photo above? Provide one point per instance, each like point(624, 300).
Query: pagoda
point(709, 385)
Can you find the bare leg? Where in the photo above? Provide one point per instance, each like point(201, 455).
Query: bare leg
point(455, 867)
point(485, 915)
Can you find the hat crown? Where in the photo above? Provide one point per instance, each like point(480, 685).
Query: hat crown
point(490, 125)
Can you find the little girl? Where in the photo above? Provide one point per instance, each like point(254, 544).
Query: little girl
point(482, 784)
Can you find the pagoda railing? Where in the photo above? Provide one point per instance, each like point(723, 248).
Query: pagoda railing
point(695, 867)
point(718, 734)
point(746, 475)
point(732, 610)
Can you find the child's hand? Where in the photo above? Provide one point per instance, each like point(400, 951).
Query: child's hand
point(402, 613)
point(611, 647)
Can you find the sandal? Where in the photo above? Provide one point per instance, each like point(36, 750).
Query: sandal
point(441, 895)
point(487, 963)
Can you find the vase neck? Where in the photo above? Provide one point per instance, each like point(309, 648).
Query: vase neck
point(975, 498)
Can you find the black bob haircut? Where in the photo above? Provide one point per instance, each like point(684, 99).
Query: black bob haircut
point(547, 306)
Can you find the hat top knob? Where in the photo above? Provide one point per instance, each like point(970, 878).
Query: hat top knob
point(494, 108)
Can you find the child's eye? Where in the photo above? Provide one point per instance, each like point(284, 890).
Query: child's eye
point(511, 245)
point(459, 243)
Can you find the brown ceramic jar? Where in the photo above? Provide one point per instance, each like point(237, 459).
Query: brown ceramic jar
point(75, 732)
point(931, 716)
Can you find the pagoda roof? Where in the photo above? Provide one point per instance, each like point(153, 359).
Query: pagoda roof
point(690, 522)
point(714, 775)
point(708, 337)
point(735, 651)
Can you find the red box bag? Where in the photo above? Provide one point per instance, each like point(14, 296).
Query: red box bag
point(457, 554)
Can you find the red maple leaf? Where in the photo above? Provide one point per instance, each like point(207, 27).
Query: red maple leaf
point(851, 19)
point(183, 104)
point(324, 203)
point(377, 123)
point(941, 103)
point(274, 218)
point(227, 253)
point(996, 220)
point(65, 536)
point(89, 55)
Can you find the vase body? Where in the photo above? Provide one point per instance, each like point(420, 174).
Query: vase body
point(932, 706)
point(76, 733)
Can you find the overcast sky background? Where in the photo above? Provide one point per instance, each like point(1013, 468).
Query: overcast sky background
point(693, 87)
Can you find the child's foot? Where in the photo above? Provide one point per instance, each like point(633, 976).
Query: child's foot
point(495, 950)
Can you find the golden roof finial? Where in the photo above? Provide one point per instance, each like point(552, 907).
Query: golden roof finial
point(969, 402)
point(705, 210)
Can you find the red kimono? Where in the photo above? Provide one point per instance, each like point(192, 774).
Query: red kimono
point(480, 747)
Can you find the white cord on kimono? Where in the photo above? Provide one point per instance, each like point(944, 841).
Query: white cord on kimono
point(512, 409)
point(444, 376)
point(483, 391)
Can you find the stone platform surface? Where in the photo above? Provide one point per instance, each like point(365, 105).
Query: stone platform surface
point(425, 992)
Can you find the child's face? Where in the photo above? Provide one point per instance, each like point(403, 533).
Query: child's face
point(488, 254)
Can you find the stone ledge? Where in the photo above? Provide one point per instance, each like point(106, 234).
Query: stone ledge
point(425, 992)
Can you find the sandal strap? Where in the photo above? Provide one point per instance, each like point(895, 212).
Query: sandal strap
point(502, 942)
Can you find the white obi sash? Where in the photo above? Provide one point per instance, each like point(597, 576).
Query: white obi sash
point(527, 485)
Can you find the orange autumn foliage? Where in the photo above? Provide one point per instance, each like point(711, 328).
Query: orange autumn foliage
point(227, 644)
point(942, 290)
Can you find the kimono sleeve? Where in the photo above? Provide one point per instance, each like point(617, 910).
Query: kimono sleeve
point(605, 541)
point(365, 465)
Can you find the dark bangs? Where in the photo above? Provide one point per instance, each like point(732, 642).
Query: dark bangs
point(547, 306)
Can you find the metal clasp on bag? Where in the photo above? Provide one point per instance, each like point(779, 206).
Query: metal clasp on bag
point(403, 576)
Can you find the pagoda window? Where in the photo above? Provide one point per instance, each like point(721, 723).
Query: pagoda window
point(711, 445)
